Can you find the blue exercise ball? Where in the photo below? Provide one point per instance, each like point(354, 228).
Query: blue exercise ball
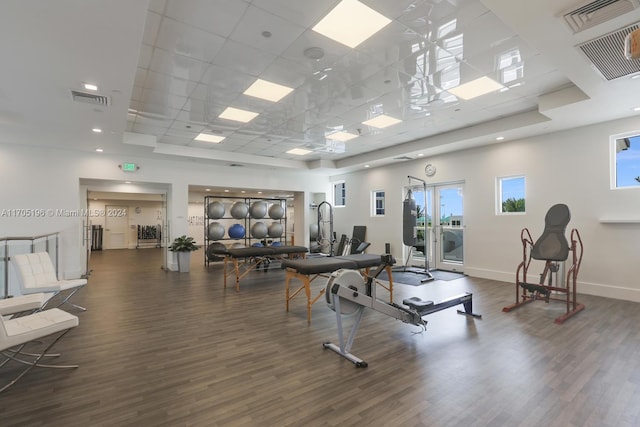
point(259, 230)
point(215, 210)
point(239, 210)
point(276, 244)
point(236, 231)
point(258, 210)
point(215, 231)
point(275, 230)
point(257, 245)
point(276, 212)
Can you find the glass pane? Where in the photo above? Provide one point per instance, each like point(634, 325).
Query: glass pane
point(512, 194)
point(451, 220)
point(628, 162)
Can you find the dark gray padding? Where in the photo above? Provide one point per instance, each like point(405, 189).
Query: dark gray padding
point(279, 250)
point(319, 265)
point(363, 260)
point(250, 252)
point(417, 304)
point(552, 245)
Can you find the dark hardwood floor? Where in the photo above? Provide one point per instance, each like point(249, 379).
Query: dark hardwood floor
point(160, 348)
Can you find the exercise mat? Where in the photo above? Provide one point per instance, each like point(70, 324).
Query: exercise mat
point(415, 279)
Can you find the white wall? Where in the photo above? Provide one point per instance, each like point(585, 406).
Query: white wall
point(37, 178)
point(570, 167)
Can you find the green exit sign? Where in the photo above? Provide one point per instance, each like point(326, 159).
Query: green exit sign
point(129, 167)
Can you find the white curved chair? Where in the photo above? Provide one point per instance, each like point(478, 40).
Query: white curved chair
point(16, 333)
point(36, 274)
point(23, 304)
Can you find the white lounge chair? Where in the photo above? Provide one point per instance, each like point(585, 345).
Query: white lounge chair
point(16, 333)
point(36, 274)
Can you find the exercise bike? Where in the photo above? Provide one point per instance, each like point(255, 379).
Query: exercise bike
point(348, 293)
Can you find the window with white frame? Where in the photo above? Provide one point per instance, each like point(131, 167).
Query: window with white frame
point(339, 194)
point(377, 203)
point(511, 195)
point(626, 160)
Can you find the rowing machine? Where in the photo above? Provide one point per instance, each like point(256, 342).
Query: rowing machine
point(349, 294)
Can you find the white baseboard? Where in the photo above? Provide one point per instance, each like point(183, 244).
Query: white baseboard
point(595, 289)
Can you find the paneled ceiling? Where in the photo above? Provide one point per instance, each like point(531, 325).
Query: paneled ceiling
point(167, 69)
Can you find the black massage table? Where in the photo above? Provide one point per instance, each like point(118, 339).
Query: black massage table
point(254, 257)
point(308, 269)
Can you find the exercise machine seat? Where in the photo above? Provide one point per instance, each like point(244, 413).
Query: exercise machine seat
point(552, 244)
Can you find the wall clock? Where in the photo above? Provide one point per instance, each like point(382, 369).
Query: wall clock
point(429, 169)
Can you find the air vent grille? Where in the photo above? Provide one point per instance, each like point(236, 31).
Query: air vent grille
point(89, 98)
point(596, 12)
point(402, 158)
point(606, 53)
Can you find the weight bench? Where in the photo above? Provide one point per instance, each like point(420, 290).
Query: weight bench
point(307, 270)
point(255, 256)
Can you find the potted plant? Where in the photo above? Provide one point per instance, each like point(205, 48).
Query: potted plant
point(183, 246)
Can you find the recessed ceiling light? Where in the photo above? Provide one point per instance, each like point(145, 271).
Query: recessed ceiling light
point(259, 192)
point(500, 138)
point(206, 137)
point(267, 90)
point(420, 154)
point(382, 121)
point(243, 191)
point(238, 115)
point(99, 150)
point(207, 189)
point(636, 109)
point(97, 130)
point(298, 151)
point(226, 191)
point(351, 23)
point(341, 136)
point(367, 166)
point(127, 182)
point(475, 88)
point(89, 86)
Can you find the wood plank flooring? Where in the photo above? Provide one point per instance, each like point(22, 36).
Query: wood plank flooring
point(160, 348)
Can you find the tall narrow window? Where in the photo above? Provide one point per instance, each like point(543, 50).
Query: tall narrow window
point(339, 194)
point(627, 161)
point(511, 195)
point(377, 203)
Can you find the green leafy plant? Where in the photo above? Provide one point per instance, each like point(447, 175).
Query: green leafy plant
point(183, 244)
point(513, 205)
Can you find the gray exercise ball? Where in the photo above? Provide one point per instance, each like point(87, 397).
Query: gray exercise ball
point(215, 210)
point(215, 231)
point(216, 249)
point(275, 230)
point(313, 231)
point(239, 210)
point(259, 230)
point(258, 210)
point(276, 212)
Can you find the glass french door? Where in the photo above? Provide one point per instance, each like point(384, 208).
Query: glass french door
point(441, 209)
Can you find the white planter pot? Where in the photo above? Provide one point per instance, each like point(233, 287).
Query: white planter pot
point(184, 261)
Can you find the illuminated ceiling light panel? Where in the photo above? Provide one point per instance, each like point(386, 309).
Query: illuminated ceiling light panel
point(351, 23)
point(206, 137)
point(475, 88)
point(89, 86)
point(238, 115)
point(341, 136)
point(298, 151)
point(96, 130)
point(269, 91)
point(382, 121)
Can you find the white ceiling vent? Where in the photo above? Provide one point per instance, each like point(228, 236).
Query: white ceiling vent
point(606, 53)
point(591, 13)
point(89, 98)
